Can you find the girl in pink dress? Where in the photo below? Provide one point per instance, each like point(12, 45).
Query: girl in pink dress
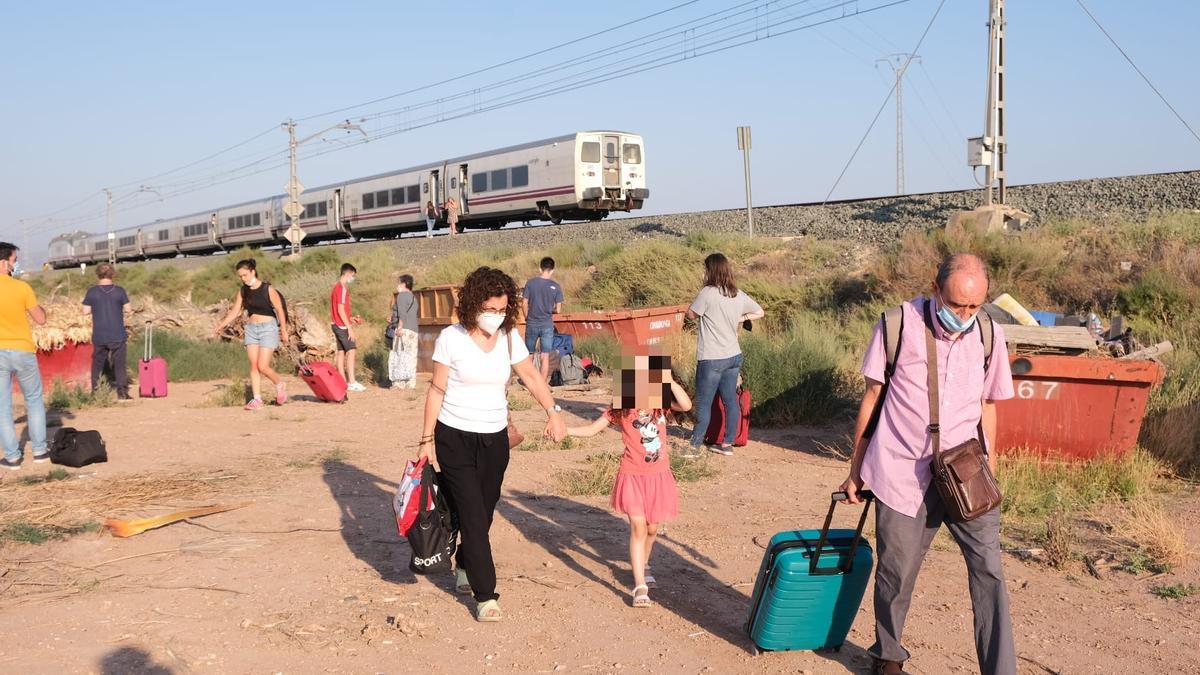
point(645, 487)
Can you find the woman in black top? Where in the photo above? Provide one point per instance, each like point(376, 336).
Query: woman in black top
point(266, 328)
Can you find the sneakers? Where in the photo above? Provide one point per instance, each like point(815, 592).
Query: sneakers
point(125, 399)
point(722, 449)
point(280, 393)
point(355, 386)
point(10, 464)
point(254, 404)
point(42, 458)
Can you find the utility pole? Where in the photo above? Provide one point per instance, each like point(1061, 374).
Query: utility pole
point(744, 145)
point(112, 240)
point(295, 234)
point(899, 64)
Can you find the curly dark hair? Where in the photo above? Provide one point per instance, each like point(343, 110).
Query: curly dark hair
point(481, 285)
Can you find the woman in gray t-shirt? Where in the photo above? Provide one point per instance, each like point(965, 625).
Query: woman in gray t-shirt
point(718, 310)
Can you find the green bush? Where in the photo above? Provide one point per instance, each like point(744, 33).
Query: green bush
point(604, 350)
point(646, 274)
point(74, 397)
point(1159, 296)
point(194, 360)
point(168, 284)
point(796, 377)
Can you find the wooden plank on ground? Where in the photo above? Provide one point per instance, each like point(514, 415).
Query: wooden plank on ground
point(1051, 337)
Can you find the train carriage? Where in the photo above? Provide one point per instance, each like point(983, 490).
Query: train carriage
point(580, 176)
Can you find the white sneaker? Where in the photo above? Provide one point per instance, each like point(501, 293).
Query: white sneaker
point(355, 386)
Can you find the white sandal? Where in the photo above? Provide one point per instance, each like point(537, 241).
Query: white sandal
point(641, 600)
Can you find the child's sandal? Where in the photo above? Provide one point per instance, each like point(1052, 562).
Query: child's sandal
point(650, 582)
point(641, 600)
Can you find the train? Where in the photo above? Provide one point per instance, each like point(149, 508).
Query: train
point(578, 176)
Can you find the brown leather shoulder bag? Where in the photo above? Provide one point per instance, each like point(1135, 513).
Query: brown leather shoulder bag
point(962, 475)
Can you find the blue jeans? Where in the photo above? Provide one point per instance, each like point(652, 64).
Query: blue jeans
point(24, 366)
point(538, 332)
point(713, 377)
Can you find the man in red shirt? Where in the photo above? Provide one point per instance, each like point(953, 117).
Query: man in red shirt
point(343, 326)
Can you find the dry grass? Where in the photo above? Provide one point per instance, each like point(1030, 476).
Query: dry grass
point(232, 395)
point(1058, 543)
point(1156, 534)
point(596, 478)
point(1035, 488)
point(66, 505)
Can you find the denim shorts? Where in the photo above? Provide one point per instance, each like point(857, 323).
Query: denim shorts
point(545, 333)
point(264, 334)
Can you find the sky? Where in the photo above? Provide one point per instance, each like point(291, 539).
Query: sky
point(121, 94)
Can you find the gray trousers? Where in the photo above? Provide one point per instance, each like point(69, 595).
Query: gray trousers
point(902, 543)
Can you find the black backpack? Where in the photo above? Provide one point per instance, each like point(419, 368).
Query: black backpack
point(76, 448)
point(282, 300)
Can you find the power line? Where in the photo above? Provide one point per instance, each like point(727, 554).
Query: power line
point(883, 105)
point(1139, 71)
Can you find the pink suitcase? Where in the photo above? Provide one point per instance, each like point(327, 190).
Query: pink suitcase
point(325, 381)
point(152, 372)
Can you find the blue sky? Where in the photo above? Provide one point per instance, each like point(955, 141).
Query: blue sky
point(102, 94)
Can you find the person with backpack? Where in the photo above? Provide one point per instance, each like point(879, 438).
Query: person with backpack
point(719, 308)
point(541, 300)
point(894, 451)
point(265, 329)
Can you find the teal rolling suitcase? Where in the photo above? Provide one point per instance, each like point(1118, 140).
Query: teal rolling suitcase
point(810, 585)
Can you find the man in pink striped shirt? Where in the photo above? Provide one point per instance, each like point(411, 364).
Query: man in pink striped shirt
point(895, 461)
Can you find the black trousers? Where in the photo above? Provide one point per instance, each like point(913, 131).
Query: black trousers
point(472, 470)
point(101, 355)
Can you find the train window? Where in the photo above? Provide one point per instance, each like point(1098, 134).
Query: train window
point(425, 188)
point(368, 200)
point(414, 194)
point(258, 220)
point(520, 176)
point(164, 235)
point(453, 183)
point(500, 179)
point(322, 209)
point(590, 152)
point(100, 246)
point(479, 182)
point(381, 199)
point(231, 224)
point(398, 196)
point(126, 241)
point(631, 153)
point(310, 211)
point(610, 151)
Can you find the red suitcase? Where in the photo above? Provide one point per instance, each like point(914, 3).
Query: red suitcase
point(716, 424)
point(325, 381)
point(152, 372)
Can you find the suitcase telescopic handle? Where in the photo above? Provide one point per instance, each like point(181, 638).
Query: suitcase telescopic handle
point(149, 343)
point(843, 567)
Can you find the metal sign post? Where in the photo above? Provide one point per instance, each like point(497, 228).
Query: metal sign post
point(744, 145)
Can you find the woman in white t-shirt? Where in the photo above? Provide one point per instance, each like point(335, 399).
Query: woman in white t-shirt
point(466, 419)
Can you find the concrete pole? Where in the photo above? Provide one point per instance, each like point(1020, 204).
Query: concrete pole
point(744, 146)
point(293, 221)
point(989, 125)
point(1001, 144)
point(112, 250)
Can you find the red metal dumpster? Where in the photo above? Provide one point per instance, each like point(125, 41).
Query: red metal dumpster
point(632, 327)
point(1075, 407)
point(72, 364)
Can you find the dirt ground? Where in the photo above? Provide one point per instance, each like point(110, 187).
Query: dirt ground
point(312, 578)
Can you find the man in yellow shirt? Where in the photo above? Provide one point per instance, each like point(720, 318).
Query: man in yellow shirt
point(18, 358)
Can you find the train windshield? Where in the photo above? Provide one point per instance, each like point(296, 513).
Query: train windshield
point(632, 153)
point(590, 152)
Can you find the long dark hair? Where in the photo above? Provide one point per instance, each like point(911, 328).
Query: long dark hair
point(719, 273)
point(482, 284)
point(247, 264)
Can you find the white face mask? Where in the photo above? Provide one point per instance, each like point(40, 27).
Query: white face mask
point(489, 322)
point(253, 278)
point(350, 281)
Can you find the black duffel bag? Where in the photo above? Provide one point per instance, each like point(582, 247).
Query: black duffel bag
point(432, 537)
point(75, 448)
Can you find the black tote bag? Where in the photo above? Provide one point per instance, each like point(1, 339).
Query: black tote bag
point(432, 537)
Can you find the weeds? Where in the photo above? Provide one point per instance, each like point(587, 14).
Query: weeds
point(519, 401)
point(604, 350)
point(692, 470)
point(1058, 542)
point(74, 397)
point(596, 478)
point(30, 533)
point(234, 394)
point(1175, 591)
point(541, 444)
point(1156, 534)
point(195, 360)
point(1140, 562)
point(55, 474)
point(1036, 489)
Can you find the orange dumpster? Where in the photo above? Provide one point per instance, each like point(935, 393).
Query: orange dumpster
point(71, 363)
point(632, 327)
point(1074, 407)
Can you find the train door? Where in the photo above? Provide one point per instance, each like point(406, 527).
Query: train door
point(335, 211)
point(612, 162)
point(463, 205)
point(433, 190)
point(214, 235)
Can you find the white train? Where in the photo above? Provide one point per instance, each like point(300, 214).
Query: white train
point(580, 176)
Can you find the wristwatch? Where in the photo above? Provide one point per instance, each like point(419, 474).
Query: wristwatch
point(556, 408)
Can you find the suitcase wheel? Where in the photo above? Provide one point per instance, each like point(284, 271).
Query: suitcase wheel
point(754, 650)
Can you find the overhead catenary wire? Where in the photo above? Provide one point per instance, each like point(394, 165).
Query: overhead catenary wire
point(883, 105)
point(1139, 71)
point(757, 33)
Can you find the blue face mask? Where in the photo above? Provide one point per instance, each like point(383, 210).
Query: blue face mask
point(951, 321)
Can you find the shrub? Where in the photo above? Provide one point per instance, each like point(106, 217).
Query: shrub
point(796, 376)
point(1175, 591)
point(195, 360)
point(232, 395)
point(646, 274)
point(604, 350)
point(1158, 295)
point(1035, 488)
point(74, 397)
point(168, 284)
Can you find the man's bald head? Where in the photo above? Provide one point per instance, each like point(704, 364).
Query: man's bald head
point(962, 284)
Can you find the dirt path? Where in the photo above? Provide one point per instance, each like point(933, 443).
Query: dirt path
point(312, 578)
